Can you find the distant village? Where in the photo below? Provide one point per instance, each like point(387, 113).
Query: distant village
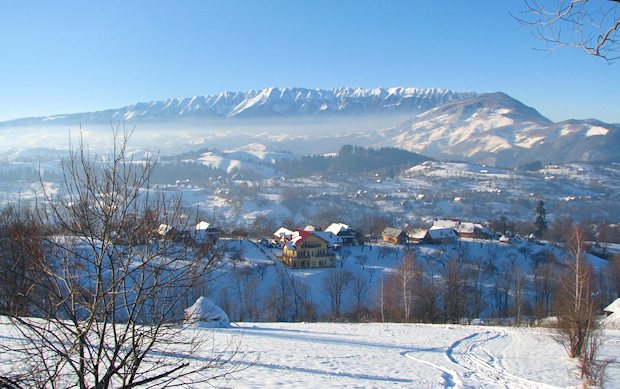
point(312, 247)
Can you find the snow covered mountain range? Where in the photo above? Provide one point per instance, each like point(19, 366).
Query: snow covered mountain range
point(275, 102)
point(490, 128)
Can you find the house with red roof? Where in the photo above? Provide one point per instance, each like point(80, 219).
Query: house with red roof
point(307, 249)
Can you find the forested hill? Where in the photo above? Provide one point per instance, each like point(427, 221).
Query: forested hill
point(352, 160)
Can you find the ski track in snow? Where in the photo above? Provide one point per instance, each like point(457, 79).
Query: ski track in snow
point(450, 377)
point(480, 368)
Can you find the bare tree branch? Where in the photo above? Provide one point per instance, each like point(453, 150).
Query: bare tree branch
point(585, 24)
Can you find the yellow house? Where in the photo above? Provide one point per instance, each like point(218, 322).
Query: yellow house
point(307, 250)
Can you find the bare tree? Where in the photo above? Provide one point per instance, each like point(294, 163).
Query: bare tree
point(106, 306)
point(406, 277)
point(245, 281)
point(360, 288)
point(586, 24)
point(305, 309)
point(371, 272)
point(344, 257)
point(454, 296)
point(574, 298)
point(335, 284)
point(577, 327)
point(361, 260)
point(280, 299)
point(475, 280)
point(381, 301)
point(518, 292)
point(261, 270)
point(544, 287)
point(426, 294)
point(236, 256)
point(384, 251)
point(615, 272)
point(20, 250)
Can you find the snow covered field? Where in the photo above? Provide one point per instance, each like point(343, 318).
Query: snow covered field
point(379, 355)
point(315, 355)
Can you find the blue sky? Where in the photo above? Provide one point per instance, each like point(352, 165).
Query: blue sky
point(69, 56)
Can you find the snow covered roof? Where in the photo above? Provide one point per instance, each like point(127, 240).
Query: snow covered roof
point(504, 239)
point(284, 233)
point(336, 228)
point(392, 232)
point(467, 228)
point(328, 236)
point(442, 232)
point(418, 233)
point(446, 223)
point(203, 225)
point(614, 307)
point(299, 236)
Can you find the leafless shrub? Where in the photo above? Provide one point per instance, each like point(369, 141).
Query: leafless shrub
point(105, 306)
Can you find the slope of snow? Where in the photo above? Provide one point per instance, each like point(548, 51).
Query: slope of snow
point(496, 129)
point(257, 151)
point(227, 162)
point(593, 131)
point(382, 355)
point(487, 123)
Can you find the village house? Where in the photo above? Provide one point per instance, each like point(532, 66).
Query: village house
point(439, 235)
point(505, 239)
point(417, 235)
point(473, 230)
point(466, 230)
point(345, 234)
point(394, 235)
point(206, 233)
point(174, 234)
point(307, 249)
point(463, 229)
point(283, 235)
point(446, 223)
point(200, 234)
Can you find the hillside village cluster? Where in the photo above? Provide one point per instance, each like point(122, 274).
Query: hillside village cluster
point(501, 275)
point(312, 247)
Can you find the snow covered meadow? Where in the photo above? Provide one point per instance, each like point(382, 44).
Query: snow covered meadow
point(315, 355)
point(312, 355)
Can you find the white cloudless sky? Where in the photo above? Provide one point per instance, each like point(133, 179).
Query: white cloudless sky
point(69, 56)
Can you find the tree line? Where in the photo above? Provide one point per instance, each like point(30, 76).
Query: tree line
point(351, 160)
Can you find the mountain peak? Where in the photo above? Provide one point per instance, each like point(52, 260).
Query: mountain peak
point(274, 101)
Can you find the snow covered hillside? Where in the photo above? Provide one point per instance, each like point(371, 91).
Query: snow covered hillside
point(253, 284)
point(406, 355)
point(500, 131)
point(382, 355)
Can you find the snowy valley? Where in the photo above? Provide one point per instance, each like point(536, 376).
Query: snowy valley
point(272, 177)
